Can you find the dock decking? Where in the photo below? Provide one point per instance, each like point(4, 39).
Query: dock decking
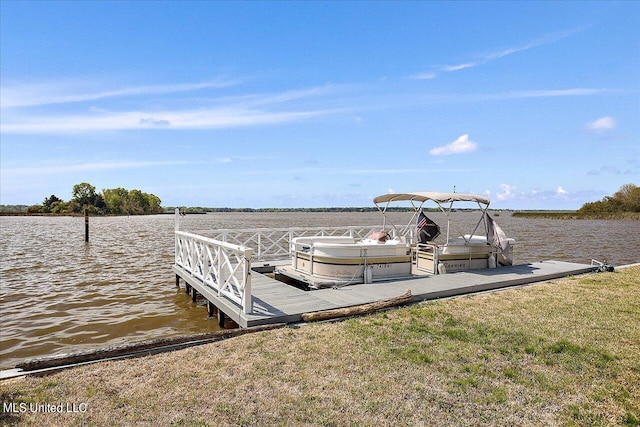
point(277, 302)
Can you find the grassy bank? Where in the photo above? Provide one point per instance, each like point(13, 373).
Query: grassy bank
point(565, 352)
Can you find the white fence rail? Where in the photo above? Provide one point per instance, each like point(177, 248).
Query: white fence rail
point(277, 243)
point(221, 266)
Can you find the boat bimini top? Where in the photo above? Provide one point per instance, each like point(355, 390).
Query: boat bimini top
point(424, 196)
point(418, 199)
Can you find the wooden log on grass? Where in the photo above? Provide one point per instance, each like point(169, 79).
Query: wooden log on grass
point(139, 349)
point(357, 310)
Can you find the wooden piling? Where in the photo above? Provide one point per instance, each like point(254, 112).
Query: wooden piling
point(86, 226)
point(212, 310)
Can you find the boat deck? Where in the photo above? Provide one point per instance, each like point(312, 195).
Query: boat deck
point(277, 302)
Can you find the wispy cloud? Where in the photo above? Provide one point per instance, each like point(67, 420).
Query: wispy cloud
point(601, 125)
point(82, 167)
point(506, 192)
point(64, 168)
point(131, 120)
point(215, 112)
point(632, 167)
point(545, 39)
point(43, 113)
point(492, 56)
point(424, 76)
point(546, 93)
point(64, 92)
point(224, 113)
point(605, 170)
point(451, 68)
point(461, 145)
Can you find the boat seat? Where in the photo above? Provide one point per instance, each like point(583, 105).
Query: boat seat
point(380, 236)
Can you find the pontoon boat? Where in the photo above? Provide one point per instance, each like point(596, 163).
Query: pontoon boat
point(391, 253)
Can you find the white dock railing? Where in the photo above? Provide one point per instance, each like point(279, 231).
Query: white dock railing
point(221, 266)
point(277, 243)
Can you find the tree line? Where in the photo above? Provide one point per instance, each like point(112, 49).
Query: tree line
point(115, 201)
point(627, 199)
point(202, 210)
point(624, 204)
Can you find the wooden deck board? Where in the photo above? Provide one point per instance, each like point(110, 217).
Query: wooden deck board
point(275, 302)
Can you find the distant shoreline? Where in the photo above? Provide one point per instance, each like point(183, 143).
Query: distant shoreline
point(530, 214)
point(628, 216)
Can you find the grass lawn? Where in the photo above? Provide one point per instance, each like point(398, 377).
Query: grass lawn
point(565, 352)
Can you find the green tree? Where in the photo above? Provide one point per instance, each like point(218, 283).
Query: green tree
point(49, 201)
point(154, 203)
point(59, 207)
point(138, 201)
point(627, 199)
point(115, 199)
point(34, 209)
point(84, 194)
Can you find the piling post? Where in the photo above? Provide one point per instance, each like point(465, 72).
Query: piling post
point(247, 300)
point(221, 318)
point(212, 310)
point(86, 226)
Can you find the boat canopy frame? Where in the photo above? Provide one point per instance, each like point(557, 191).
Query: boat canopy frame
point(418, 199)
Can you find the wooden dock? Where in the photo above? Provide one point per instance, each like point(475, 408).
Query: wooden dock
point(277, 302)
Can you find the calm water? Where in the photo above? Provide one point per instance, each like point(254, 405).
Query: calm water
point(60, 294)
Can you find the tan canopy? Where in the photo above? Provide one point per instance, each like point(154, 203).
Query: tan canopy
point(436, 197)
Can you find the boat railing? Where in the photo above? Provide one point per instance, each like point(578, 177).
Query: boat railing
point(277, 243)
point(223, 267)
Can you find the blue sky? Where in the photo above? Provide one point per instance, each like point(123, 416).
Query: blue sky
point(309, 104)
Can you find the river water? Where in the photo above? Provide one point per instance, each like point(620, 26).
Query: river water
point(59, 294)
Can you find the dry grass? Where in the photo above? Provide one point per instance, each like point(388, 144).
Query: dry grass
point(559, 353)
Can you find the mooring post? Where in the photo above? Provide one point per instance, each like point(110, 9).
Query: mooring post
point(86, 226)
point(212, 310)
point(221, 318)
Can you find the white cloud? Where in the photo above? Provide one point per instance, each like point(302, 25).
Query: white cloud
point(188, 119)
point(54, 169)
point(604, 170)
point(546, 39)
point(424, 76)
point(547, 93)
point(82, 167)
point(62, 92)
point(451, 68)
point(506, 192)
point(561, 192)
point(460, 145)
point(602, 124)
point(225, 112)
